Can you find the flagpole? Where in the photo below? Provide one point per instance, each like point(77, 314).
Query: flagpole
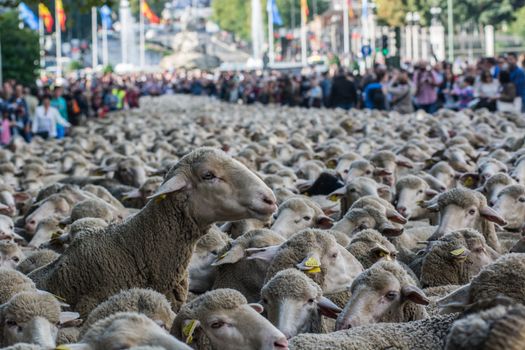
point(94, 38)
point(142, 36)
point(271, 53)
point(346, 34)
point(105, 52)
point(58, 36)
point(303, 36)
point(1, 67)
point(41, 41)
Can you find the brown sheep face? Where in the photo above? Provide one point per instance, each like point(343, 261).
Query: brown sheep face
point(511, 206)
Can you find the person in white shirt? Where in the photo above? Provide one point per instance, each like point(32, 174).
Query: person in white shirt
point(46, 120)
point(487, 92)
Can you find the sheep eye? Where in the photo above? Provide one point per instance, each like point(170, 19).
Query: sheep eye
point(334, 255)
point(310, 301)
point(352, 190)
point(214, 252)
point(265, 301)
point(420, 192)
point(217, 325)
point(522, 199)
point(208, 176)
point(15, 258)
point(368, 172)
point(472, 211)
point(307, 218)
point(391, 295)
point(363, 226)
point(10, 323)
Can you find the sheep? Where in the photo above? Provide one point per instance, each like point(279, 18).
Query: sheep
point(138, 198)
point(6, 228)
point(369, 246)
point(444, 173)
point(228, 321)
point(126, 330)
point(31, 317)
point(143, 301)
point(247, 276)
point(316, 253)
point(295, 304)
point(10, 255)
point(36, 259)
point(455, 258)
point(192, 197)
point(359, 219)
point(46, 229)
point(410, 190)
point(385, 292)
point(298, 213)
point(510, 204)
point(13, 282)
point(463, 208)
point(493, 186)
point(501, 327)
point(7, 201)
point(357, 188)
point(93, 208)
point(201, 272)
point(425, 334)
point(503, 277)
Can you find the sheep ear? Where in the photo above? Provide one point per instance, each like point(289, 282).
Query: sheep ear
point(337, 194)
point(491, 215)
point(3, 206)
point(455, 301)
point(389, 230)
point(311, 263)
point(328, 308)
point(132, 194)
point(404, 163)
point(21, 197)
point(267, 254)
point(233, 255)
point(430, 193)
point(382, 172)
point(415, 295)
point(394, 216)
point(257, 307)
point(175, 184)
point(469, 180)
point(78, 346)
point(381, 251)
point(66, 316)
point(324, 222)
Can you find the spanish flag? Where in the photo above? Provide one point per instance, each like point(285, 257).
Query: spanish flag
point(45, 15)
point(61, 14)
point(304, 8)
point(149, 14)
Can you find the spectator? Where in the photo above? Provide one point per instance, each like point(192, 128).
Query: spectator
point(426, 80)
point(60, 104)
point(373, 95)
point(46, 120)
point(517, 76)
point(344, 92)
point(508, 101)
point(400, 92)
point(487, 91)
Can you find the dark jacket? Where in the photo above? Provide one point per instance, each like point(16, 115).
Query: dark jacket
point(343, 92)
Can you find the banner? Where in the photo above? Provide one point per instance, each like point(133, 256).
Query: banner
point(271, 7)
point(105, 16)
point(61, 14)
point(45, 15)
point(28, 16)
point(304, 8)
point(149, 14)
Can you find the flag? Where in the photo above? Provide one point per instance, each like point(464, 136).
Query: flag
point(61, 14)
point(45, 15)
point(271, 6)
point(28, 16)
point(105, 16)
point(304, 8)
point(149, 14)
point(350, 9)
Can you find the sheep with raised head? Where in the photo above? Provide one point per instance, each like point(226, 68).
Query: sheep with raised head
point(510, 204)
point(204, 187)
point(369, 247)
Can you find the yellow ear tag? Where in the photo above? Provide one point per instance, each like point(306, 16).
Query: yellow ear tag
point(457, 252)
point(188, 331)
point(160, 198)
point(333, 198)
point(331, 164)
point(469, 182)
point(382, 254)
point(316, 269)
point(223, 255)
point(312, 262)
point(62, 347)
point(56, 235)
point(388, 257)
point(59, 298)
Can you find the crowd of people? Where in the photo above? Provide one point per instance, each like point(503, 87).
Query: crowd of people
point(52, 106)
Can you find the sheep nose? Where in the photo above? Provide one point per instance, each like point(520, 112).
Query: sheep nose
point(402, 210)
point(30, 225)
point(492, 202)
point(268, 200)
point(281, 343)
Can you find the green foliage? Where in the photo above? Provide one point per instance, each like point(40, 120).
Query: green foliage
point(233, 16)
point(285, 9)
point(108, 69)
point(518, 26)
point(75, 65)
point(20, 50)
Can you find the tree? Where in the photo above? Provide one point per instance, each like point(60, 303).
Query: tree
point(285, 9)
point(518, 26)
point(19, 50)
point(233, 16)
point(391, 12)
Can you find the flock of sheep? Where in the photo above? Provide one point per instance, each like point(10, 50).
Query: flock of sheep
point(190, 223)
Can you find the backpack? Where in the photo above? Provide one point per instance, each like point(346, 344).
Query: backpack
point(378, 99)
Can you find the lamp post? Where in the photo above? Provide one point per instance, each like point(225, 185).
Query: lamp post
point(437, 35)
point(450, 15)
